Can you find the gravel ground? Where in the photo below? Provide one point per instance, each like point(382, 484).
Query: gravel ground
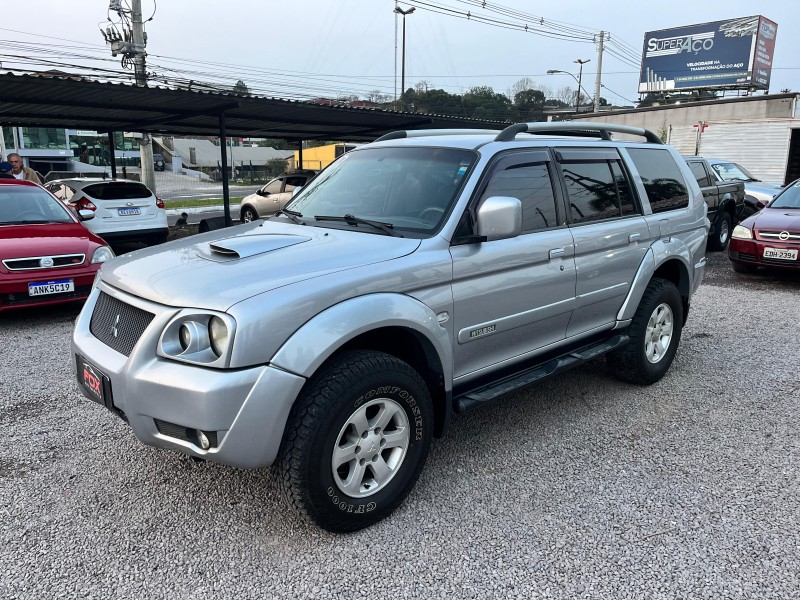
point(582, 487)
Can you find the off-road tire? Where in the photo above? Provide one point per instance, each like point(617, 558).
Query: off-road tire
point(630, 362)
point(328, 404)
point(721, 236)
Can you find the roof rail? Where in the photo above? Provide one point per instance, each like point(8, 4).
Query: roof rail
point(601, 130)
point(397, 135)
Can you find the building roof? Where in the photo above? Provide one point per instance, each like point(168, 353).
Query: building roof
point(47, 100)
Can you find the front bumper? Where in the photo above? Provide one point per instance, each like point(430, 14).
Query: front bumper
point(242, 411)
point(751, 252)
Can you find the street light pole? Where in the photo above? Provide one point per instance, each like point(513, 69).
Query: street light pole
point(578, 81)
point(400, 11)
point(581, 62)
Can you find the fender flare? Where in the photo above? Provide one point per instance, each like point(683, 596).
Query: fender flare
point(320, 337)
point(660, 252)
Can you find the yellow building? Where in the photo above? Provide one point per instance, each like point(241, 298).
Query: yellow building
point(320, 157)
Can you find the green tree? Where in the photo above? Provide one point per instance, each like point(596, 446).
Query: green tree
point(276, 143)
point(241, 88)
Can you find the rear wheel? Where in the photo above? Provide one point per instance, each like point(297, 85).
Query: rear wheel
point(356, 441)
point(719, 238)
point(655, 332)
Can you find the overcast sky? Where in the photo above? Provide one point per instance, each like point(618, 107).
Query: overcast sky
point(305, 48)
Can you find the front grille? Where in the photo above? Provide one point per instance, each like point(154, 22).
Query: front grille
point(35, 262)
point(778, 262)
point(747, 256)
point(81, 291)
point(774, 236)
point(117, 324)
point(184, 434)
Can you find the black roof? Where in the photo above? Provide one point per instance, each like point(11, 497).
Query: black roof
point(62, 100)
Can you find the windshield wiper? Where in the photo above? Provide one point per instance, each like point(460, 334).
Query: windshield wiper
point(387, 228)
point(292, 214)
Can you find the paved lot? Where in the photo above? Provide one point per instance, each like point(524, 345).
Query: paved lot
point(580, 487)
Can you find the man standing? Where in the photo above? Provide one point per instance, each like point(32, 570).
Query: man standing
point(21, 172)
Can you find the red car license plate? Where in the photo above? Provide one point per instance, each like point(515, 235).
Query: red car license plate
point(93, 380)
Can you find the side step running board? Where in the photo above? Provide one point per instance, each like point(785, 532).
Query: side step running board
point(478, 396)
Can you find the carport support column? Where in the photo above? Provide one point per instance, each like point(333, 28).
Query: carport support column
point(226, 198)
point(112, 155)
point(300, 156)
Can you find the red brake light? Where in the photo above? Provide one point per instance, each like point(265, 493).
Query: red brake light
point(85, 204)
point(159, 202)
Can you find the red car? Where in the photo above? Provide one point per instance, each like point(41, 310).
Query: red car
point(771, 237)
point(46, 255)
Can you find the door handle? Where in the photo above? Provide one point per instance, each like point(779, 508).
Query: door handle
point(556, 252)
point(634, 236)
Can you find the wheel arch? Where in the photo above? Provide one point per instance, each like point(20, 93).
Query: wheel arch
point(391, 323)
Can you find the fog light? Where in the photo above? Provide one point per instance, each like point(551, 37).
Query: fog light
point(203, 440)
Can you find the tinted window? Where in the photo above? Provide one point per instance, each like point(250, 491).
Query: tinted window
point(117, 191)
point(530, 183)
point(662, 178)
point(597, 190)
point(699, 172)
point(293, 182)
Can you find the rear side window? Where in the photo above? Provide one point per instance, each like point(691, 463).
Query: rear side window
point(662, 178)
point(597, 187)
point(117, 191)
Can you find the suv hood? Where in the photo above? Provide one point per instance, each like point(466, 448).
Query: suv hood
point(220, 268)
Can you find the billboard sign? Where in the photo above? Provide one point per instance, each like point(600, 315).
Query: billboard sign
point(736, 53)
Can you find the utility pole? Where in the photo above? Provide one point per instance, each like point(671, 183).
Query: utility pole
point(599, 73)
point(405, 13)
point(145, 144)
point(130, 42)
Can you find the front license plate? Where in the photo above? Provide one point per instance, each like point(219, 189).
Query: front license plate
point(124, 212)
point(93, 380)
point(780, 253)
point(40, 288)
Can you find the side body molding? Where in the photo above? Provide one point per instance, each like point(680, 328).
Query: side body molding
point(320, 337)
point(660, 252)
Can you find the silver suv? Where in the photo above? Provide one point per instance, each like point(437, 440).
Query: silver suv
point(424, 274)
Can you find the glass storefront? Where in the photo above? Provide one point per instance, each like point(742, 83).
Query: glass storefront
point(43, 138)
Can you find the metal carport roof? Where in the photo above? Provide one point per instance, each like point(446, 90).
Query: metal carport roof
point(46, 100)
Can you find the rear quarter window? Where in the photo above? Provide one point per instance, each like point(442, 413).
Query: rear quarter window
point(662, 178)
point(117, 191)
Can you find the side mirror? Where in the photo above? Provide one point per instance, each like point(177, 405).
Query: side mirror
point(86, 215)
point(499, 218)
point(296, 190)
point(262, 193)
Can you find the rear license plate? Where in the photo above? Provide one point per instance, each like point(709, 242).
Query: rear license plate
point(780, 254)
point(124, 212)
point(93, 380)
point(40, 288)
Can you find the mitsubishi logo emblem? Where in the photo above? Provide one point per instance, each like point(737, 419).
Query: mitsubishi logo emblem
point(114, 329)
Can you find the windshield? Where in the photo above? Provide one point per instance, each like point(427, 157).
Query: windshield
point(789, 198)
point(26, 205)
point(730, 171)
point(404, 189)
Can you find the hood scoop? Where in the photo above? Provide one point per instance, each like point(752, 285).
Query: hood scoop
point(252, 245)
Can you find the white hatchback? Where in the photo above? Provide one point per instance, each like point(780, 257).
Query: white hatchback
point(125, 210)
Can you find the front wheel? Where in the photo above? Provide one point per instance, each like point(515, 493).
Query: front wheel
point(356, 441)
point(249, 214)
point(655, 332)
point(719, 238)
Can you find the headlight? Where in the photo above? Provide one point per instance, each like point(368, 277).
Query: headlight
point(218, 332)
point(199, 337)
point(102, 254)
point(742, 233)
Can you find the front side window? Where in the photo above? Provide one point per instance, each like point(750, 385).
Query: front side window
point(661, 177)
point(411, 189)
point(273, 187)
point(528, 181)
